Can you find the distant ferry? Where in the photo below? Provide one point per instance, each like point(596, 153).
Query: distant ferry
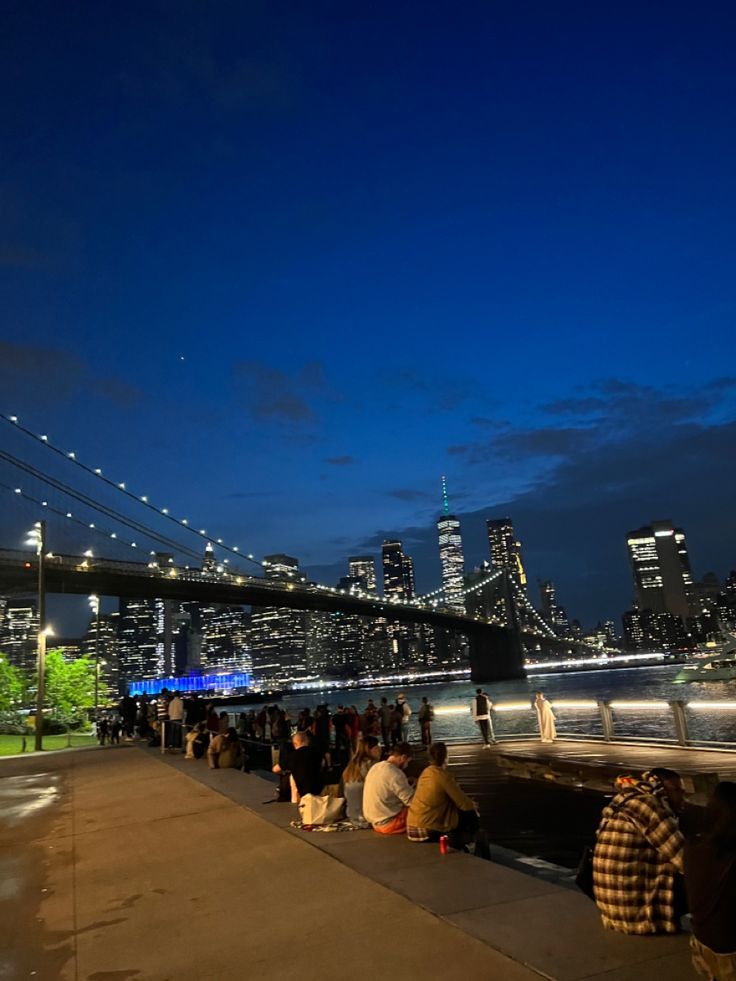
point(715, 661)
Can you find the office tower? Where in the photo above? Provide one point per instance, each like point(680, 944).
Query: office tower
point(451, 555)
point(350, 630)
point(138, 646)
point(398, 581)
point(105, 652)
point(363, 567)
point(19, 635)
point(392, 558)
point(278, 634)
point(224, 638)
point(505, 550)
point(661, 568)
point(650, 630)
point(320, 655)
point(209, 563)
point(552, 613)
point(407, 565)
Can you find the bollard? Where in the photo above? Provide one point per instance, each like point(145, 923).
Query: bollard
point(606, 720)
point(23, 745)
point(681, 729)
point(163, 736)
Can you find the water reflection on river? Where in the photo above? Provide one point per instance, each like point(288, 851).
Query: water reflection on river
point(651, 683)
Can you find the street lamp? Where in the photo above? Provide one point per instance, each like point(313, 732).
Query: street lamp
point(37, 537)
point(94, 602)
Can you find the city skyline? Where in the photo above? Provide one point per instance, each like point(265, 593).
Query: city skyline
point(231, 263)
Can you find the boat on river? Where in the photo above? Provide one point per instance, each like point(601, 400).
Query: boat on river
point(715, 661)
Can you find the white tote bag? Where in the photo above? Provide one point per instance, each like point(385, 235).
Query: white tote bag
point(314, 809)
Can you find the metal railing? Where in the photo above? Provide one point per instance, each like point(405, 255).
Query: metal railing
point(696, 724)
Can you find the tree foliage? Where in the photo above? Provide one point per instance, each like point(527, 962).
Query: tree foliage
point(69, 687)
point(13, 685)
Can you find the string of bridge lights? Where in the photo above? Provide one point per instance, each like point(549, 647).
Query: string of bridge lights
point(466, 591)
point(121, 487)
point(74, 519)
point(89, 502)
point(543, 623)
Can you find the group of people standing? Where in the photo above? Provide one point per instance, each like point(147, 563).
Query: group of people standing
point(481, 708)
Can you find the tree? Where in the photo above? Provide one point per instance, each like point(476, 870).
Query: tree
point(69, 687)
point(13, 685)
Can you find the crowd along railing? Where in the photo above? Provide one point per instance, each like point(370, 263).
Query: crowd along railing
point(678, 722)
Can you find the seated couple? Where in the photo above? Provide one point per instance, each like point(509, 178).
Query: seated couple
point(435, 807)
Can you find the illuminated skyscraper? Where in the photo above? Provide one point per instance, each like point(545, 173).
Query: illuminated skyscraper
point(363, 567)
point(398, 581)
point(392, 557)
point(278, 634)
point(660, 566)
point(19, 634)
point(107, 651)
point(506, 550)
point(451, 555)
point(138, 646)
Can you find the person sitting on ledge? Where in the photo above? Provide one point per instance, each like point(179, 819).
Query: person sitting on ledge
point(304, 763)
point(366, 755)
point(439, 806)
point(196, 741)
point(225, 751)
point(639, 854)
point(387, 792)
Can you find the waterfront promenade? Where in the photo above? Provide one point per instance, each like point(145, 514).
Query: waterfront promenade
point(123, 865)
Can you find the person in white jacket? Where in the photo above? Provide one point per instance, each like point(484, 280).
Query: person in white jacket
point(480, 709)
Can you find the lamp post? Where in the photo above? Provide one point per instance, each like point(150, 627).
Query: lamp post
point(37, 537)
point(94, 602)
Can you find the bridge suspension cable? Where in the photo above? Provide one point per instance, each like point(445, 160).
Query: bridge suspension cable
point(13, 421)
point(68, 516)
point(528, 606)
point(89, 502)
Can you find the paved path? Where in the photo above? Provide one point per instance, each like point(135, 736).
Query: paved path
point(121, 865)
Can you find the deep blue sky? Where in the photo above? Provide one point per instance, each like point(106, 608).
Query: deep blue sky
point(388, 242)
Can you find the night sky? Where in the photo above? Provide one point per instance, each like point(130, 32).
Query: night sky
point(281, 265)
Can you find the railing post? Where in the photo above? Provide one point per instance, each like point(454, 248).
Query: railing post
point(604, 709)
point(681, 729)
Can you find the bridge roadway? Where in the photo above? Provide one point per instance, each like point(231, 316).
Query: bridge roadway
point(495, 652)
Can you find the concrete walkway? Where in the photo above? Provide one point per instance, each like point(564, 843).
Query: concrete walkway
point(120, 865)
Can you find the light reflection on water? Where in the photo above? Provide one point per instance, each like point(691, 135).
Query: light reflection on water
point(656, 683)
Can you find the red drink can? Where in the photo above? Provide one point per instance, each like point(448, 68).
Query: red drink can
point(444, 844)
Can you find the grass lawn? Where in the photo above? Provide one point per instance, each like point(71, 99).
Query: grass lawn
point(9, 745)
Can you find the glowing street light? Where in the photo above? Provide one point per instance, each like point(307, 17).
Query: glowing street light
point(94, 604)
point(37, 538)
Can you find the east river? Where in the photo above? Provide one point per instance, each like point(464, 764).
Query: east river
point(617, 685)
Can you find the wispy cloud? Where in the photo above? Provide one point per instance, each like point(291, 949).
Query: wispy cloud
point(341, 461)
point(54, 374)
point(291, 400)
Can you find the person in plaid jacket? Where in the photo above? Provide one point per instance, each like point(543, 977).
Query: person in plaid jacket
point(639, 855)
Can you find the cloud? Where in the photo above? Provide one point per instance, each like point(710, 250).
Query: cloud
point(442, 393)
point(409, 494)
point(20, 256)
point(341, 461)
point(271, 395)
point(49, 375)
